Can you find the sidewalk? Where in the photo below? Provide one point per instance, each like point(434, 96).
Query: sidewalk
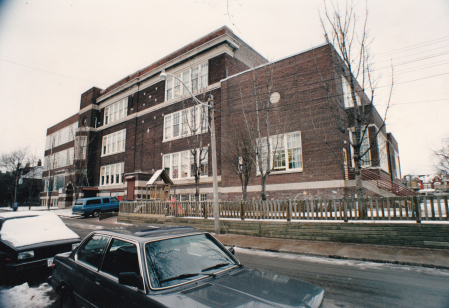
point(434, 258)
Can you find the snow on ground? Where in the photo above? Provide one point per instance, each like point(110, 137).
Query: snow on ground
point(60, 212)
point(24, 296)
point(360, 264)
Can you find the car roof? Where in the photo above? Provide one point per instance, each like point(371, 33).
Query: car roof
point(92, 198)
point(144, 233)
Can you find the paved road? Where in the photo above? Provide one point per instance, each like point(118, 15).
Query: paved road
point(347, 283)
point(358, 284)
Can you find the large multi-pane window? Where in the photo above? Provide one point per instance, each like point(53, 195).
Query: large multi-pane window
point(60, 159)
point(112, 174)
point(383, 156)
point(187, 122)
point(114, 143)
point(347, 95)
point(116, 111)
point(194, 78)
point(62, 136)
point(364, 148)
point(182, 164)
point(286, 152)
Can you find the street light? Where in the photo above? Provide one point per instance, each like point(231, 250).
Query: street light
point(212, 142)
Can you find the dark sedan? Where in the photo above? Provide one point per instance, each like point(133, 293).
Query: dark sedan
point(169, 267)
point(30, 239)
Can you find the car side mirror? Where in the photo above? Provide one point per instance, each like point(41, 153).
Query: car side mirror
point(231, 250)
point(130, 279)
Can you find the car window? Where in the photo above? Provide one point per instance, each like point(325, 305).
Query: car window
point(121, 257)
point(105, 200)
point(175, 257)
point(79, 202)
point(92, 251)
point(94, 201)
point(114, 199)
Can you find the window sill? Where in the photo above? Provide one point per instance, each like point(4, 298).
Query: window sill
point(109, 186)
point(285, 171)
point(105, 155)
point(183, 136)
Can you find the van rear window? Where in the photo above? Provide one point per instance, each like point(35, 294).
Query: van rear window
point(79, 202)
point(94, 201)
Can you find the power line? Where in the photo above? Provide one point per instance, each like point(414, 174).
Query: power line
point(38, 69)
point(414, 46)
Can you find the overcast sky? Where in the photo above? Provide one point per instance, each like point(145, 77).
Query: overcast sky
point(52, 51)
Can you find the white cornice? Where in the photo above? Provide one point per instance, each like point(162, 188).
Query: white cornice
point(223, 38)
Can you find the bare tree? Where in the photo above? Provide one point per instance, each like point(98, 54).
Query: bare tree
point(354, 108)
point(17, 163)
point(193, 123)
point(442, 155)
point(239, 156)
point(79, 177)
point(264, 126)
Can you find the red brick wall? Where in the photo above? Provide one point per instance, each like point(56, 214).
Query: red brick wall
point(303, 107)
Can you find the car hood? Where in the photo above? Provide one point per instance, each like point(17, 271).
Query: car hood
point(34, 230)
point(250, 288)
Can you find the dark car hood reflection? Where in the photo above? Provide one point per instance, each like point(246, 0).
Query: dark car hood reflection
point(253, 288)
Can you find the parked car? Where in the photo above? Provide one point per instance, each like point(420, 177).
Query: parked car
point(95, 205)
point(30, 239)
point(169, 267)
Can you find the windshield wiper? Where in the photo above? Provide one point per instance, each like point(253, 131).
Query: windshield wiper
point(216, 266)
point(186, 275)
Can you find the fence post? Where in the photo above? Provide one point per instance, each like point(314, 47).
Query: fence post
point(204, 210)
point(417, 209)
point(242, 210)
point(289, 210)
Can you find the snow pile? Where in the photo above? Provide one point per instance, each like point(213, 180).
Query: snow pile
point(24, 296)
point(38, 229)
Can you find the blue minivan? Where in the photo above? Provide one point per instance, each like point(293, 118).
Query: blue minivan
point(96, 205)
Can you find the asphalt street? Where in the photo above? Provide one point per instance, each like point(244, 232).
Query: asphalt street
point(347, 283)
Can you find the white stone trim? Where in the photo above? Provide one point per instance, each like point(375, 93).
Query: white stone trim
point(223, 38)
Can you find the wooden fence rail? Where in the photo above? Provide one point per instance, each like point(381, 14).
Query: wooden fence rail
point(416, 208)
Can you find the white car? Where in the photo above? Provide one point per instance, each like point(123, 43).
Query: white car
point(31, 239)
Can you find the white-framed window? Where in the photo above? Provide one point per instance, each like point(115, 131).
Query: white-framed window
point(80, 147)
point(112, 174)
point(383, 156)
point(116, 111)
point(61, 136)
point(397, 166)
point(114, 143)
point(59, 159)
point(194, 78)
point(203, 197)
point(364, 148)
point(286, 152)
point(181, 164)
point(347, 96)
point(186, 122)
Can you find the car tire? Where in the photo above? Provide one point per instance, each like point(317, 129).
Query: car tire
point(67, 300)
point(96, 213)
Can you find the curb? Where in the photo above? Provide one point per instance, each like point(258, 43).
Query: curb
point(349, 258)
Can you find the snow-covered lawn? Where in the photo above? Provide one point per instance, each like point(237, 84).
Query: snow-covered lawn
point(59, 212)
point(25, 296)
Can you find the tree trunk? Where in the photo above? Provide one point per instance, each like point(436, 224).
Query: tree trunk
point(263, 181)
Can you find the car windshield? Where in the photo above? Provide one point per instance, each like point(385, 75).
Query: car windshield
point(175, 261)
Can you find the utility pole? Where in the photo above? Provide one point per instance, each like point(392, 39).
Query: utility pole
point(214, 164)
